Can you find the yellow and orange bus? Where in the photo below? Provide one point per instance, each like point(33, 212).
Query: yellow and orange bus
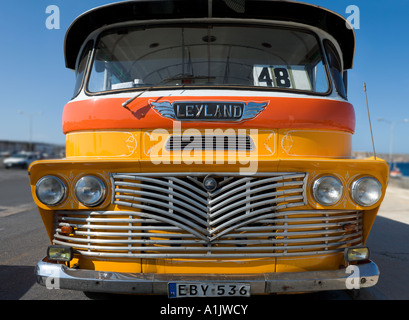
point(208, 153)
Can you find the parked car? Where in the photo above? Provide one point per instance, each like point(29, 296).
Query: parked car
point(22, 160)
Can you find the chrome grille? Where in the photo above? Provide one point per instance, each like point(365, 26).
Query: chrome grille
point(172, 216)
point(209, 142)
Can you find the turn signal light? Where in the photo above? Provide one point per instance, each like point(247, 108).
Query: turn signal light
point(67, 230)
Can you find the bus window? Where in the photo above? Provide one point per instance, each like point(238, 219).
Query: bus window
point(215, 55)
point(336, 69)
point(80, 68)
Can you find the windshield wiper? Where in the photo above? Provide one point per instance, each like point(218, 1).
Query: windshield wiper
point(182, 77)
point(189, 77)
point(127, 102)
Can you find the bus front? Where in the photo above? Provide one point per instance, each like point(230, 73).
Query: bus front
point(208, 156)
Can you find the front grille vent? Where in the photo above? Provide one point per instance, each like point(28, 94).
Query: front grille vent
point(210, 142)
point(173, 216)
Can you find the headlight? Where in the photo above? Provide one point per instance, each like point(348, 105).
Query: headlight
point(90, 191)
point(327, 190)
point(50, 190)
point(366, 191)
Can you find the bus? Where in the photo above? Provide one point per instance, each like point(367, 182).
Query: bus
point(208, 153)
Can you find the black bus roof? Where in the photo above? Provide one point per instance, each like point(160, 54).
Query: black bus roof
point(138, 10)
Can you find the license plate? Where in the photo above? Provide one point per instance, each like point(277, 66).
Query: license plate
point(198, 289)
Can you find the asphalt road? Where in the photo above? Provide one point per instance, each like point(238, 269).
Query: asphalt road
point(23, 242)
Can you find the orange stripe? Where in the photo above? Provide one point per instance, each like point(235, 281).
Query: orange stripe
point(280, 113)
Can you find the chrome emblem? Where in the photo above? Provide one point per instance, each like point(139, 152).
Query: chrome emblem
point(209, 110)
point(209, 184)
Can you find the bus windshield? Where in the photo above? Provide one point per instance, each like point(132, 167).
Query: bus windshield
point(208, 56)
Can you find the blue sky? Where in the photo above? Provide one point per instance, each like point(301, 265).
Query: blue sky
point(34, 79)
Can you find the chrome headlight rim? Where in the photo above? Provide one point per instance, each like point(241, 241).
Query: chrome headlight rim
point(61, 184)
point(355, 197)
point(100, 199)
point(315, 188)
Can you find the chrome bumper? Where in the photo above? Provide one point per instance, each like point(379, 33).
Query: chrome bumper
point(57, 276)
